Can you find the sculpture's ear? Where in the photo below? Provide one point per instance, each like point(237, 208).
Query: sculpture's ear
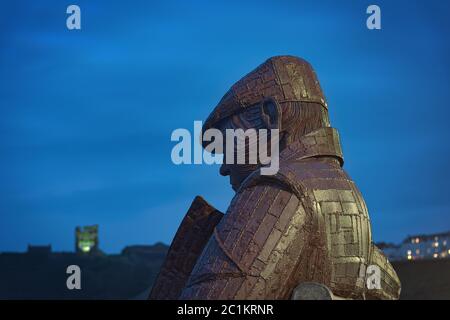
point(271, 114)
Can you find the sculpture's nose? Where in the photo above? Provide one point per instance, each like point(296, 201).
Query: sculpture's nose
point(224, 171)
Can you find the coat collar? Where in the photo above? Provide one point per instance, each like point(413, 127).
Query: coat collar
point(321, 142)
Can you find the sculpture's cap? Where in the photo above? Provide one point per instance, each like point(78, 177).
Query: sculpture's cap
point(283, 78)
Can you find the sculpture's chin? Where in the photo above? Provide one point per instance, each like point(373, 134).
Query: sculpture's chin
point(236, 179)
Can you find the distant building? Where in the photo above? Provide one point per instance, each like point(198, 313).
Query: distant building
point(426, 246)
point(86, 239)
point(416, 247)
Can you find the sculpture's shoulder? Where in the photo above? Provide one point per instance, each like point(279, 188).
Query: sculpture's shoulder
point(305, 176)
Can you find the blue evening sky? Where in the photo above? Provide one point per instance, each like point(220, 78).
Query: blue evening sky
point(86, 116)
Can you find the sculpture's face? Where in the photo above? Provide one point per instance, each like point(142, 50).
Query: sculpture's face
point(238, 172)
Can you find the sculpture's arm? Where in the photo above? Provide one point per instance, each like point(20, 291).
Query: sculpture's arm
point(187, 245)
point(253, 251)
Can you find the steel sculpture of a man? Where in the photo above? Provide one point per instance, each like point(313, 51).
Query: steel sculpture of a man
point(306, 224)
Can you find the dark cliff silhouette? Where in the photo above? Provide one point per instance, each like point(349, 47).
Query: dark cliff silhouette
point(41, 274)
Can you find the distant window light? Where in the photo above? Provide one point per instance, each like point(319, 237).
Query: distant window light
point(417, 251)
point(435, 255)
point(417, 240)
point(409, 252)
